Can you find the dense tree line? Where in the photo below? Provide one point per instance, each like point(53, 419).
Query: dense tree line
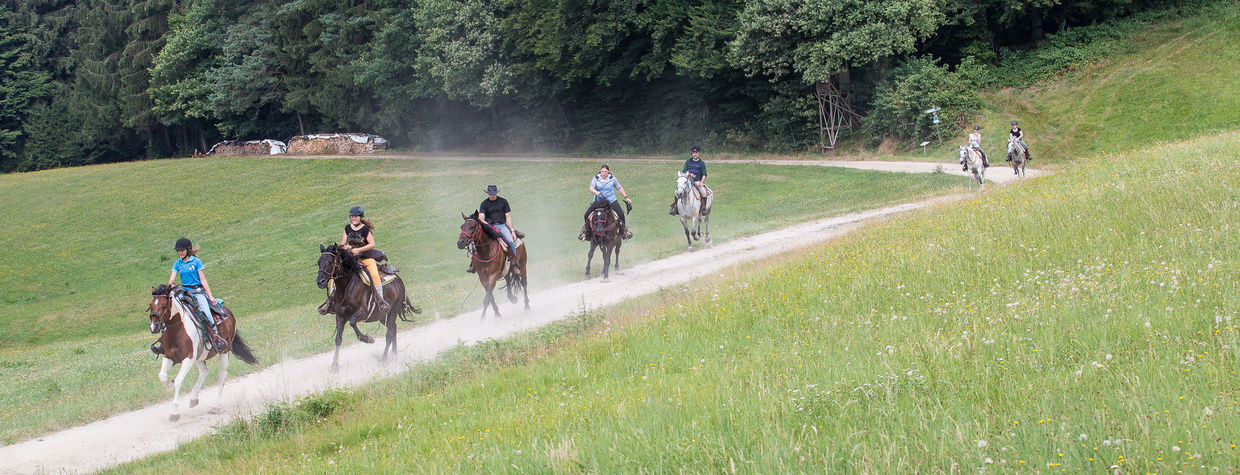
point(93, 81)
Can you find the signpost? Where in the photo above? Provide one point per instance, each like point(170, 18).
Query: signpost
point(934, 119)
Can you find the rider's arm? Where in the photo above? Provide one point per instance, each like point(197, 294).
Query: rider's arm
point(703, 179)
point(508, 220)
point(203, 278)
point(172, 278)
point(622, 193)
point(344, 240)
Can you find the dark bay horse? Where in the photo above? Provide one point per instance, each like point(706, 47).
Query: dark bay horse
point(490, 261)
point(603, 232)
point(351, 299)
point(184, 344)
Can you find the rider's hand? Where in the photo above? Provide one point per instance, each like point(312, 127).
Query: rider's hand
point(354, 251)
point(627, 199)
point(346, 247)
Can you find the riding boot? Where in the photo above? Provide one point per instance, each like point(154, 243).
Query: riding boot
point(1028, 158)
point(383, 305)
point(673, 211)
point(625, 233)
point(582, 236)
point(471, 269)
point(217, 341)
point(512, 260)
point(963, 166)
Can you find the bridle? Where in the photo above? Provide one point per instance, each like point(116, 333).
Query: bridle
point(160, 319)
point(335, 272)
point(474, 238)
point(599, 217)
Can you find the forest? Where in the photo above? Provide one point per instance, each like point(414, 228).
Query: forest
point(99, 81)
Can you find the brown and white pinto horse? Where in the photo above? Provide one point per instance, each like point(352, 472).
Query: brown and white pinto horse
point(183, 343)
point(490, 261)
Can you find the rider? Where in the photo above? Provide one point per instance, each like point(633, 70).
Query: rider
point(604, 186)
point(696, 169)
point(975, 141)
point(496, 212)
point(194, 281)
point(358, 239)
point(1020, 138)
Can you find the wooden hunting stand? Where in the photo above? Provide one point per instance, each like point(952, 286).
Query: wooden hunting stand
point(834, 113)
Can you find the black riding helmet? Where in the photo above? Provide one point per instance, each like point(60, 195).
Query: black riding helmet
point(183, 244)
point(356, 211)
point(695, 148)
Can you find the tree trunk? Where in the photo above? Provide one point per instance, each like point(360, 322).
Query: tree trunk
point(300, 125)
point(1035, 23)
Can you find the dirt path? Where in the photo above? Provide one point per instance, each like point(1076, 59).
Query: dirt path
point(132, 435)
point(999, 171)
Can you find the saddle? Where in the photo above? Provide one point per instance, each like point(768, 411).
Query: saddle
point(503, 245)
point(387, 273)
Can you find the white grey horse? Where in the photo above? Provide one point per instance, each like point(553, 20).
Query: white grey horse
point(689, 206)
point(973, 160)
point(1018, 155)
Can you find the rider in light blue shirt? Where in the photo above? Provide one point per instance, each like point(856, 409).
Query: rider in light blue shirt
point(604, 186)
point(189, 267)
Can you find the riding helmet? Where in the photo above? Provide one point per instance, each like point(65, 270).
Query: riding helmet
point(356, 211)
point(695, 148)
point(977, 127)
point(1013, 122)
point(183, 244)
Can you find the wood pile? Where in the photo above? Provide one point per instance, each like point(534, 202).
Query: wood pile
point(336, 144)
point(233, 148)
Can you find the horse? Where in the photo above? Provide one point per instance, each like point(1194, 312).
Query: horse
point(1018, 155)
point(973, 160)
point(603, 230)
point(689, 207)
point(184, 344)
point(490, 262)
point(350, 299)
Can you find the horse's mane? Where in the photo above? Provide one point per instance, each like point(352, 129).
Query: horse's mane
point(346, 258)
point(486, 229)
point(161, 290)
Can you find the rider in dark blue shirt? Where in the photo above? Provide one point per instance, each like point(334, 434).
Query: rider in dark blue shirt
point(696, 169)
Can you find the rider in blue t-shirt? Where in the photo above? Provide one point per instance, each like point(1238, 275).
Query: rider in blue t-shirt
point(190, 268)
point(696, 170)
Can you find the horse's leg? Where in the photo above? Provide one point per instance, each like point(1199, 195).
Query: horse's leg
point(606, 261)
point(339, 340)
point(176, 389)
point(491, 294)
point(615, 262)
point(358, 316)
point(706, 227)
point(685, 225)
point(164, 366)
point(590, 257)
point(525, 288)
point(202, 376)
point(219, 397)
point(389, 340)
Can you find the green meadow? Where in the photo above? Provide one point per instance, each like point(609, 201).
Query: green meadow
point(1082, 322)
point(1086, 321)
point(87, 244)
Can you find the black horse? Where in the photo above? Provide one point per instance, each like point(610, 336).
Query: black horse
point(352, 300)
point(603, 231)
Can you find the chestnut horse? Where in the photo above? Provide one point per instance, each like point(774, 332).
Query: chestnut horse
point(603, 232)
point(184, 344)
point(351, 300)
point(482, 244)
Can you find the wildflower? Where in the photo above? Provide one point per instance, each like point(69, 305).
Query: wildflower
point(981, 444)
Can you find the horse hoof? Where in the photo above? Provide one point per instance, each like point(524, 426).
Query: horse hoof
point(605, 280)
point(193, 403)
point(174, 418)
point(366, 339)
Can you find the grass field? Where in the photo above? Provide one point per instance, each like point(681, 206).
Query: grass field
point(75, 273)
point(1083, 322)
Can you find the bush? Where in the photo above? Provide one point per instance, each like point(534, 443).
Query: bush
point(900, 103)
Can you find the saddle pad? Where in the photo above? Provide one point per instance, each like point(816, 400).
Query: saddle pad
point(383, 278)
point(503, 245)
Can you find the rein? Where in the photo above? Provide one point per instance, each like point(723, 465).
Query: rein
point(474, 238)
point(331, 279)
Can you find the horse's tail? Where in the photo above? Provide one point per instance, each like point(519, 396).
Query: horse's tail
point(242, 350)
point(405, 308)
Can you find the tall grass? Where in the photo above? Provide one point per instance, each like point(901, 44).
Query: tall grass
point(86, 244)
point(1082, 322)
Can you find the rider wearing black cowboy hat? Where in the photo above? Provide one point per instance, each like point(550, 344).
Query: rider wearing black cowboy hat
point(495, 212)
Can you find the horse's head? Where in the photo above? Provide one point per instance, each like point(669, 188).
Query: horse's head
point(470, 229)
point(160, 308)
point(964, 152)
point(682, 184)
point(329, 264)
point(599, 218)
